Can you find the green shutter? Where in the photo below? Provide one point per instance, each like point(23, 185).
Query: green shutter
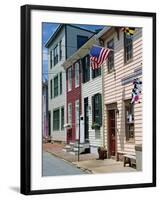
point(100, 109)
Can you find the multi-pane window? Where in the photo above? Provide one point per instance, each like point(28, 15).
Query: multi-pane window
point(60, 50)
point(77, 111)
point(77, 74)
point(128, 48)
point(56, 120)
point(60, 82)
point(70, 113)
point(51, 89)
point(96, 72)
point(69, 78)
point(86, 68)
point(110, 60)
point(62, 118)
point(129, 120)
point(97, 109)
point(81, 40)
point(56, 86)
point(51, 59)
point(55, 54)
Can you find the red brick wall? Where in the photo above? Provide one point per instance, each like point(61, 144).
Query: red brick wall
point(72, 96)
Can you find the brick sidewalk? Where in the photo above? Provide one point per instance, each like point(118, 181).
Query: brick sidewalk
point(57, 150)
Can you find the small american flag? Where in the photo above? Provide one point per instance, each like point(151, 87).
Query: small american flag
point(97, 56)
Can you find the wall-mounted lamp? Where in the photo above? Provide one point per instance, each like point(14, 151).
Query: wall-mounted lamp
point(117, 111)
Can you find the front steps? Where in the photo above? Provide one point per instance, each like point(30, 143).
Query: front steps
point(73, 148)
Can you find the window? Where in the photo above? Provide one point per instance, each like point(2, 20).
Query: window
point(128, 48)
point(51, 95)
point(56, 86)
point(60, 50)
point(70, 113)
point(70, 79)
point(97, 109)
point(129, 120)
point(62, 118)
point(56, 55)
point(76, 74)
point(81, 40)
point(51, 59)
point(110, 60)
point(96, 72)
point(56, 120)
point(86, 68)
point(77, 111)
point(60, 80)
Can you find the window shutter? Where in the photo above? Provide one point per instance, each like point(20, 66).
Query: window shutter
point(100, 109)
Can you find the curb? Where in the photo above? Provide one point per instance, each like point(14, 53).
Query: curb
point(71, 163)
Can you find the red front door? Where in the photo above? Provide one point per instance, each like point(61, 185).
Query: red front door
point(111, 132)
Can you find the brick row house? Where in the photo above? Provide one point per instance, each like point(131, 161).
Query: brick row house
point(61, 45)
point(97, 103)
point(106, 93)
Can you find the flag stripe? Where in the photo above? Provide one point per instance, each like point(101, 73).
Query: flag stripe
point(99, 56)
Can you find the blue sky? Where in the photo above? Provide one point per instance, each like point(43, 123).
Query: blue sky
point(47, 30)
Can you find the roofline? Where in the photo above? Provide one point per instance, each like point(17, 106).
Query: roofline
point(59, 28)
point(75, 56)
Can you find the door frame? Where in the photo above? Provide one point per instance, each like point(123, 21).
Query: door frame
point(86, 139)
point(112, 106)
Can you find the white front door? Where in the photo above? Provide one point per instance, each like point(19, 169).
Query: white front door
point(77, 119)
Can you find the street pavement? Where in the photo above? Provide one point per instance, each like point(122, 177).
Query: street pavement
point(53, 166)
point(89, 163)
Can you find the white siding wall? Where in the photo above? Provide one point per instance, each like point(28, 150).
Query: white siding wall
point(114, 91)
point(88, 90)
point(60, 100)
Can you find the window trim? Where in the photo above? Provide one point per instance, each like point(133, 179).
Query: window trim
point(125, 52)
point(111, 54)
point(86, 60)
point(69, 116)
point(69, 78)
point(55, 56)
point(57, 86)
point(100, 108)
point(77, 72)
point(62, 127)
point(54, 129)
point(82, 36)
point(127, 134)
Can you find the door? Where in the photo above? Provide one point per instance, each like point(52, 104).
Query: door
point(49, 123)
point(77, 112)
point(111, 132)
point(86, 118)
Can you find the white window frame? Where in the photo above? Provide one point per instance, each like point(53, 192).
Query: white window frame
point(70, 79)
point(77, 113)
point(77, 75)
point(70, 114)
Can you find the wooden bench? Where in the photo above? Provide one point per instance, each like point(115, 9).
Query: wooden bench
point(120, 155)
point(129, 159)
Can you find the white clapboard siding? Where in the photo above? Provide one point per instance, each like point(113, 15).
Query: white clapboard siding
point(115, 92)
point(89, 89)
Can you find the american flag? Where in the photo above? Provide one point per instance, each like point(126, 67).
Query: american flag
point(97, 56)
